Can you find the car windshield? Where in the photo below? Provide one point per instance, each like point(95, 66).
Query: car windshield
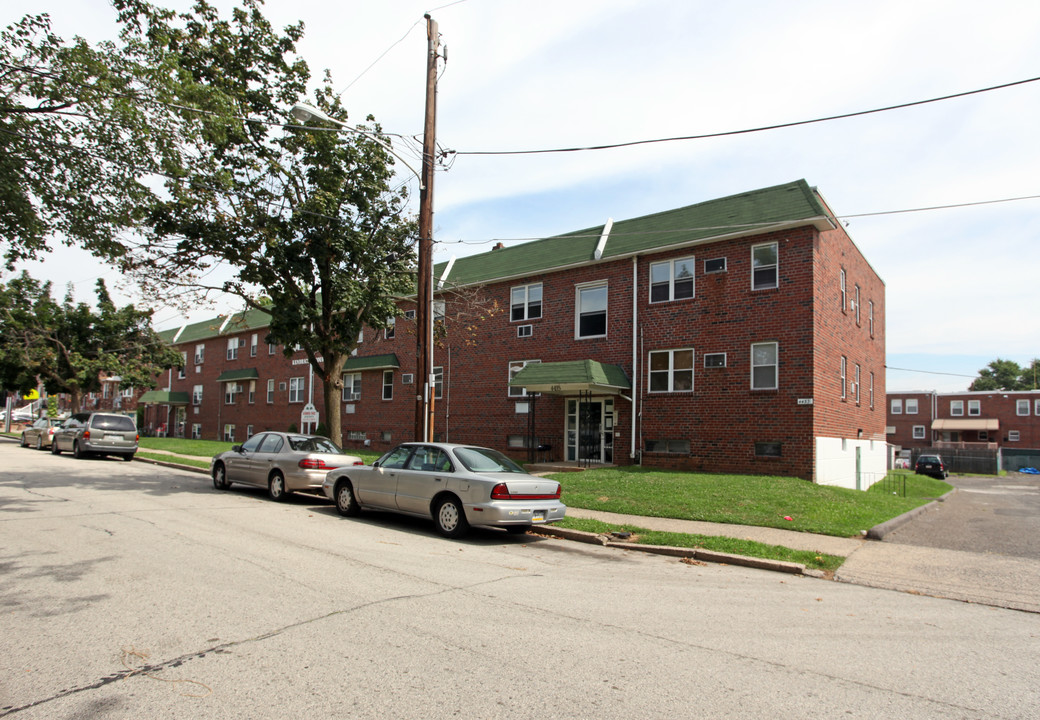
point(484, 460)
point(119, 423)
point(302, 443)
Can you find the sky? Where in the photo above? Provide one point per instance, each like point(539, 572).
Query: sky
point(961, 282)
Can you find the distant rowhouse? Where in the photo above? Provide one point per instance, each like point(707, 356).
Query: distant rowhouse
point(744, 334)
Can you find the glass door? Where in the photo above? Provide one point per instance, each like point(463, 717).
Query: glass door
point(590, 430)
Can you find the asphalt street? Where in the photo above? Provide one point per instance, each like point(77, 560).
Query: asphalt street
point(134, 591)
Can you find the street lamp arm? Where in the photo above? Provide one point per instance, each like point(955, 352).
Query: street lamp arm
point(304, 112)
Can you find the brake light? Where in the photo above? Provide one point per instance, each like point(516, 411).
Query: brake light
point(501, 492)
point(359, 462)
point(86, 434)
point(313, 464)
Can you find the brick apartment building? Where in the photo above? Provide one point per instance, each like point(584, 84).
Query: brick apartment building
point(990, 419)
point(743, 334)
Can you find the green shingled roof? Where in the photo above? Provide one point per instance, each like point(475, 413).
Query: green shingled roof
point(571, 377)
point(163, 397)
point(372, 362)
point(747, 213)
point(242, 374)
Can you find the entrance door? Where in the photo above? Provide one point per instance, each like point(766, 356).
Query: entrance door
point(590, 430)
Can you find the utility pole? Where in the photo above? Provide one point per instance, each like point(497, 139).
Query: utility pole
point(424, 286)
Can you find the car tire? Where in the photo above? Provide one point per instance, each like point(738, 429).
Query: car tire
point(220, 477)
point(129, 457)
point(77, 451)
point(346, 503)
point(517, 529)
point(450, 517)
point(276, 487)
point(54, 447)
point(39, 442)
point(25, 441)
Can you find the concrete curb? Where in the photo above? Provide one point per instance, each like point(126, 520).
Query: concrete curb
point(690, 553)
point(878, 532)
point(175, 466)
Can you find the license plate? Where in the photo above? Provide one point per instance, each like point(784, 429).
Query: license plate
point(538, 516)
point(113, 437)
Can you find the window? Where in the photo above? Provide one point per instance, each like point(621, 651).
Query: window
point(897, 406)
point(870, 316)
point(229, 433)
point(409, 314)
point(956, 407)
point(127, 392)
point(523, 331)
point(252, 392)
point(911, 406)
point(525, 302)
point(181, 374)
point(681, 447)
point(764, 366)
point(249, 431)
point(871, 391)
point(1021, 407)
point(231, 390)
point(252, 346)
point(438, 382)
point(983, 435)
point(671, 280)
point(715, 265)
point(390, 329)
point(438, 308)
point(514, 367)
point(764, 266)
point(200, 353)
point(407, 378)
point(1013, 436)
point(974, 408)
point(856, 300)
point(671, 370)
point(270, 391)
point(843, 295)
point(351, 387)
point(591, 318)
point(768, 449)
point(918, 432)
point(270, 348)
point(1036, 408)
point(196, 395)
point(232, 349)
point(296, 390)
point(714, 360)
point(106, 390)
point(388, 384)
point(196, 431)
point(855, 384)
point(844, 376)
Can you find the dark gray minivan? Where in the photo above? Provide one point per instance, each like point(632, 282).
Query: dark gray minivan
point(85, 434)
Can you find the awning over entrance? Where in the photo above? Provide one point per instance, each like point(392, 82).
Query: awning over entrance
point(570, 378)
point(989, 424)
point(372, 362)
point(163, 397)
point(243, 374)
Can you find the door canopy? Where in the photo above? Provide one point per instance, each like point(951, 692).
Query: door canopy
point(570, 378)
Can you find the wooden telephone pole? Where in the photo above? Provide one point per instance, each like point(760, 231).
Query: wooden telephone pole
point(424, 286)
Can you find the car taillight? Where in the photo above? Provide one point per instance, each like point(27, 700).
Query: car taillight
point(501, 492)
point(359, 462)
point(313, 464)
point(86, 434)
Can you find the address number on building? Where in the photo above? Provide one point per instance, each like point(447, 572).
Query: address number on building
point(805, 401)
point(555, 388)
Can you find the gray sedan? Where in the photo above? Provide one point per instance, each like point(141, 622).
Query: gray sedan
point(40, 434)
point(281, 462)
point(455, 485)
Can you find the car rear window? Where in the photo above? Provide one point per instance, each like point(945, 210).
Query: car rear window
point(313, 444)
point(119, 423)
point(485, 460)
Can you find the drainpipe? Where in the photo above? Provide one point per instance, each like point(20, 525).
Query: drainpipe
point(635, 353)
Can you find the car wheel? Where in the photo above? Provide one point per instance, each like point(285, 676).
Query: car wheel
point(450, 517)
point(276, 487)
point(129, 457)
point(517, 529)
point(220, 477)
point(77, 451)
point(346, 503)
point(39, 442)
point(25, 441)
point(54, 447)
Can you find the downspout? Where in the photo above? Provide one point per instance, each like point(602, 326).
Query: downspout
point(635, 352)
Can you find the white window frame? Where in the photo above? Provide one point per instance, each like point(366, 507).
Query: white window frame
point(844, 373)
point(844, 292)
point(872, 390)
point(956, 408)
point(229, 433)
point(895, 406)
point(351, 386)
point(856, 300)
point(520, 299)
point(1021, 405)
point(439, 310)
point(232, 348)
point(669, 267)
point(870, 316)
point(588, 287)
point(200, 353)
point(252, 345)
point(182, 371)
point(775, 365)
point(919, 432)
point(388, 384)
point(1036, 408)
point(270, 391)
point(705, 357)
point(774, 266)
point(297, 390)
point(514, 367)
point(438, 382)
point(251, 397)
point(974, 408)
point(855, 386)
point(391, 329)
point(196, 431)
point(231, 390)
point(911, 406)
point(271, 348)
point(196, 395)
point(671, 372)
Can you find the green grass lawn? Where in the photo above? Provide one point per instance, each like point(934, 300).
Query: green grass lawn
point(762, 501)
point(200, 451)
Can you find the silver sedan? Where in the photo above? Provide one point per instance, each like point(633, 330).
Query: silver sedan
point(455, 485)
point(281, 462)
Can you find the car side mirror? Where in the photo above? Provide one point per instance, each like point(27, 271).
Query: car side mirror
point(236, 448)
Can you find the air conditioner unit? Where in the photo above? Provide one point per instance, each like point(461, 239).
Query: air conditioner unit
point(198, 359)
point(407, 379)
point(354, 397)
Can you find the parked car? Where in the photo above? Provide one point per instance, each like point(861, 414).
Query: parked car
point(931, 465)
point(86, 434)
point(40, 434)
point(281, 462)
point(455, 485)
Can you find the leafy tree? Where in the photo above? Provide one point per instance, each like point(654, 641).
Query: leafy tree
point(305, 223)
point(69, 346)
point(1029, 379)
point(999, 375)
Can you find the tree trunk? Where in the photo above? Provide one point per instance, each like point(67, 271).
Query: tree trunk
point(332, 391)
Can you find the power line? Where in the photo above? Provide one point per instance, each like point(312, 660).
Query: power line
point(930, 372)
point(746, 131)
